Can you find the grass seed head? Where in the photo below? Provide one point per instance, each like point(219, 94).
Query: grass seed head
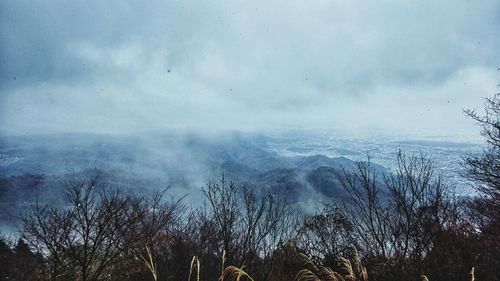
point(306, 275)
point(235, 272)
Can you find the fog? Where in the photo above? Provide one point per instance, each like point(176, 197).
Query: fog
point(132, 66)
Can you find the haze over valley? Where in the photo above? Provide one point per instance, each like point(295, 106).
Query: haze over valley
point(302, 167)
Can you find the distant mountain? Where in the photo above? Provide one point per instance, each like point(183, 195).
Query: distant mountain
point(39, 168)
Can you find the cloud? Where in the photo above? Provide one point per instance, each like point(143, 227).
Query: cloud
point(121, 66)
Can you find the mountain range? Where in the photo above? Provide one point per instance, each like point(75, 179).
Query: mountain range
point(39, 168)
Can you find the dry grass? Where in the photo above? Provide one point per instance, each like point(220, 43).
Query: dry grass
point(345, 267)
point(347, 272)
point(328, 274)
point(235, 272)
point(223, 264)
point(195, 263)
point(306, 275)
point(150, 263)
point(230, 272)
point(305, 262)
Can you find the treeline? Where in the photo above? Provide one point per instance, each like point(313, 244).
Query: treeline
point(407, 225)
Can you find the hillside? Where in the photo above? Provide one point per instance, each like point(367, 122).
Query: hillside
point(40, 168)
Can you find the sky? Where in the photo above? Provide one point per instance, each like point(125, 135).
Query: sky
point(403, 67)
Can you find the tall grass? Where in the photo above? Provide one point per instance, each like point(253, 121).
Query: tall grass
point(236, 273)
point(472, 276)
point(347, 272)
point(150, 263)
point(195, 263)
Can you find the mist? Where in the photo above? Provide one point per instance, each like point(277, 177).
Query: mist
point(129, 66)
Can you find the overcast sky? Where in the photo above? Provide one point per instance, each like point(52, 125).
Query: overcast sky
point(401, 67)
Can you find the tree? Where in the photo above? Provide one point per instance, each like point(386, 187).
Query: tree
point(98, 230)
point(484, 169)
point(84, 240)
point(395, 217)
point(5, 259)
point(245, 227)
point(325, 235)
point(25, 264)
point(368, 212)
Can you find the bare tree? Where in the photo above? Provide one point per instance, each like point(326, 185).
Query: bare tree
point(369, 213)
point(224, 212)
point(84, 239)
point(396, 216)
point(326, 234)
point(418, 206)
point(152, 235)
point(248, 227)
point(98, 229)
point(485, 168)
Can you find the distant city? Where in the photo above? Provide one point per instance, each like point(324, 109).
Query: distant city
point(446, 152)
